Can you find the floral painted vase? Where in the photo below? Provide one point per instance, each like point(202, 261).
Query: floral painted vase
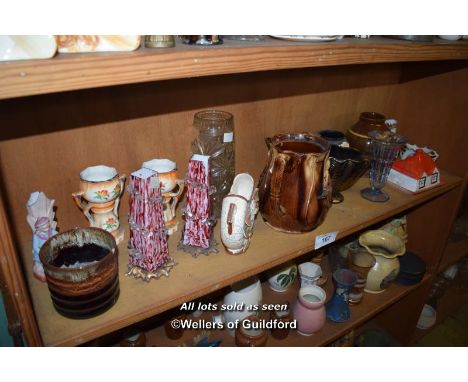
point(282, 278)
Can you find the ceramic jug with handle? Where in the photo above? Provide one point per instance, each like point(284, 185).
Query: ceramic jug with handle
point(295, 188)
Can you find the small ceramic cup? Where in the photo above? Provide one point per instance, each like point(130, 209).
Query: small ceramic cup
point(309, 273)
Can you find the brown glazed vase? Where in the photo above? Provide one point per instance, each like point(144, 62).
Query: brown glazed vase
point(295, 187)
point(87, 289)
point(358, 134)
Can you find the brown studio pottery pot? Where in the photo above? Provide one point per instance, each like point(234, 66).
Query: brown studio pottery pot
point(295, 187)
point(249, 335)
point(358, 134)
point(81, 268)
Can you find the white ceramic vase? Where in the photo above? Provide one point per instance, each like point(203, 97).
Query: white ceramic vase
point(236, 303)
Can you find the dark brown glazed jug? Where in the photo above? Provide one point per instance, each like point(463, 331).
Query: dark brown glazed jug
point(295, 188)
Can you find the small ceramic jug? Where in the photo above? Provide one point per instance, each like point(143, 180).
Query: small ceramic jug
point(309, 310)
point(171, 189)
point(238, 214)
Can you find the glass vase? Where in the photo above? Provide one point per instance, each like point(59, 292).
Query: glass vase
point(385, 147)
point(216, 139)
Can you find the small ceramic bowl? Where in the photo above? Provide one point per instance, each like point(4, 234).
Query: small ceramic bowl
point(428, 318)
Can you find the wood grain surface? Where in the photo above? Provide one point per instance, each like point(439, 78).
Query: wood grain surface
point(81, 71)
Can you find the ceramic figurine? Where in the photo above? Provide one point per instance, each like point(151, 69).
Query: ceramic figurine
point(148, 249)
point(41, 220)
point(97, 43)
point(171, 189)
point(280, 279)
point(338, 308)
point(309, 310)
point(99, 198)
point(386, 248)
point(238, 214)
point(197, 235)
point(295, 188)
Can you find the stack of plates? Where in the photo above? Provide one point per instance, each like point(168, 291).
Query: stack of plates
point(412, 269)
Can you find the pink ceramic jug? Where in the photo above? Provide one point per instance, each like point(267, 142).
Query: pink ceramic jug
point(309, 310)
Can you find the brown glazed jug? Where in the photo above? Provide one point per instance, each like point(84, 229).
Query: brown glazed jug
point(295, 188)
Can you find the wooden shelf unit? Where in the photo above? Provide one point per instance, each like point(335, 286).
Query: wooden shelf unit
point(64, 114)
point(67, 72)
point(194, 278)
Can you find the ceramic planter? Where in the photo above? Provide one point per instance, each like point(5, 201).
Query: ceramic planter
point(309, 310)
point(282, 278)
point(81, 268)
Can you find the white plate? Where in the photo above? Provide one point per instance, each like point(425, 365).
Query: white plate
point(306, 37)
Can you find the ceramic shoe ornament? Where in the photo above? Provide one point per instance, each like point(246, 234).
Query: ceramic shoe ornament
point(238, 214)
point(41, 220)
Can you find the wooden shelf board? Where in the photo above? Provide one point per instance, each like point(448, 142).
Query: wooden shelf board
point(67, 72)
point(454, 252)
point(193, 278)
point(371, 305)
